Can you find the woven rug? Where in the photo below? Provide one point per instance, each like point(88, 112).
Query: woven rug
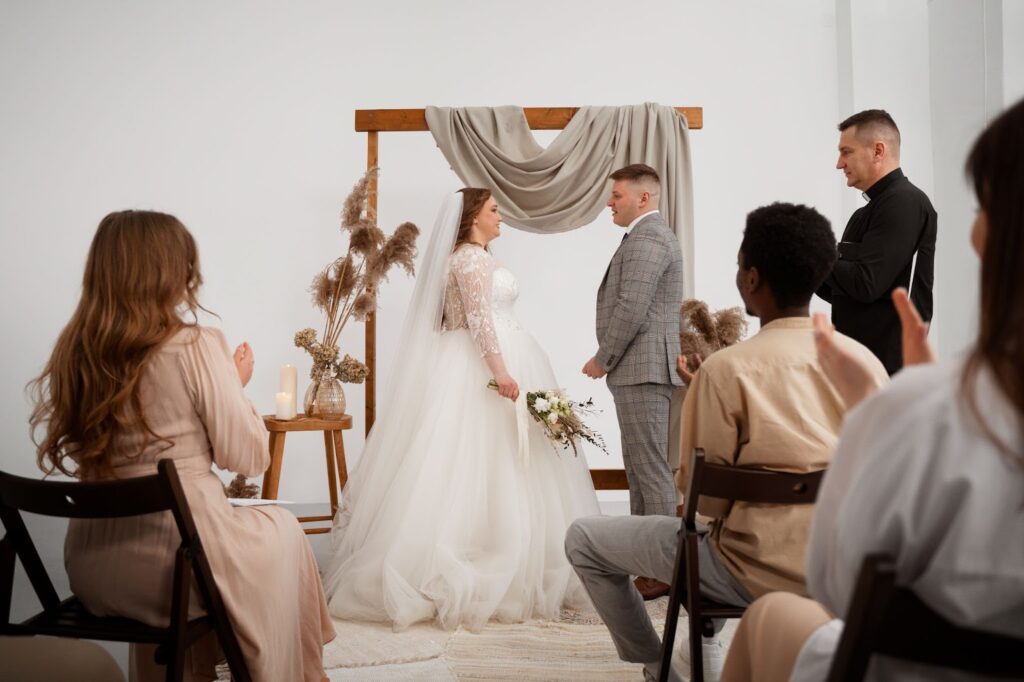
point(576, 647)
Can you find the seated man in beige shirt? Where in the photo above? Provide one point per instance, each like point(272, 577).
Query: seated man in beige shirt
point(763, 403)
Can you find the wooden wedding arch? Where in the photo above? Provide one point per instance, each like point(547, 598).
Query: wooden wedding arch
point(376, 121)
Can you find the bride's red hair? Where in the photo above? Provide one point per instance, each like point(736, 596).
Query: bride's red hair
point(473, 201)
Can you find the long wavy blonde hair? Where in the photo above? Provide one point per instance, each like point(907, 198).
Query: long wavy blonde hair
point(141, 274)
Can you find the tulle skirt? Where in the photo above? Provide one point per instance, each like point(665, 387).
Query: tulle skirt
point(444, 518)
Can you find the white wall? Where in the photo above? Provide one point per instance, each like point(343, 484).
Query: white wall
point(238, 118)
point(966, 92)
point(884, 58)
point(1013, 50)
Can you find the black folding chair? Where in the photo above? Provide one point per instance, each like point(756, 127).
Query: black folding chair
point(730, 483)
point(887, 620)
point(113, 499)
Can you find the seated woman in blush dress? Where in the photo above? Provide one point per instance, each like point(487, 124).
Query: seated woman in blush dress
point(130, 383)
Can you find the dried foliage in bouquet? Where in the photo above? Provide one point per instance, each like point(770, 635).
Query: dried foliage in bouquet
point(704, 332)
point(347, 288)
point(560, 418)
point(241, 488)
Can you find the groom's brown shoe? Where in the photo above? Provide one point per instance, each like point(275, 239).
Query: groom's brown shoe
point(649, 588)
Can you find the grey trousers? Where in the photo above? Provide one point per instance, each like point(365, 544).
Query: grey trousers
point(606, 551)
point(643, 413)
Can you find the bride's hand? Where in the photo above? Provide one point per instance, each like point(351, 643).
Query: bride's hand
point(507, 386)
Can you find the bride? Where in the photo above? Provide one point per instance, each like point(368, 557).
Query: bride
point(458, 508)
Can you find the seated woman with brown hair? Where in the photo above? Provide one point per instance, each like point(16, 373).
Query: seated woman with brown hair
point(929, 471)
point(130, 383)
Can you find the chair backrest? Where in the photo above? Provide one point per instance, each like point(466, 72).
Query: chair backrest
point(729, 483)
point(889, 620)
point(75, 500)
point(111, 499)
point(746, 485)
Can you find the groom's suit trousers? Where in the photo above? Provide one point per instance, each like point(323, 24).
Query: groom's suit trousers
point(643, 412)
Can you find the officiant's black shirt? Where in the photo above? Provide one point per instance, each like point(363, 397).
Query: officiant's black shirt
point(876, 255)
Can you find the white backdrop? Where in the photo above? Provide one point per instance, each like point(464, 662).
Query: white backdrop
point(238, 118)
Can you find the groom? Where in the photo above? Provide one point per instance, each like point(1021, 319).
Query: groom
point(638, 336)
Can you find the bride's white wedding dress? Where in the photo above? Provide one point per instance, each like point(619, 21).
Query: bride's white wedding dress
point(455, 519)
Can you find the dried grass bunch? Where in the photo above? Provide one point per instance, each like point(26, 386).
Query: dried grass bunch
point(705, 332)
point(241, 488)
point(347, 288)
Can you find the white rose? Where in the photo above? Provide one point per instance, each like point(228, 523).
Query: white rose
point(541, 405)
point(553, 418)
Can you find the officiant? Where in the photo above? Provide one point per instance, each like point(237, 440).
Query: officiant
point(888, 243)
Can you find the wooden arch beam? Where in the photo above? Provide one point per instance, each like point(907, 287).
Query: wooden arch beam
point(538, 118)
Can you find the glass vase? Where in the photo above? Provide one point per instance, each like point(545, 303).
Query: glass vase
point(325, 398)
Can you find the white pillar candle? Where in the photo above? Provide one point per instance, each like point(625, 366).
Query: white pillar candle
point(285, 405)
point(289, 384)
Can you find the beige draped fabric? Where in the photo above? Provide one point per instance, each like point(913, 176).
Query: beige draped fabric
point(565, 185)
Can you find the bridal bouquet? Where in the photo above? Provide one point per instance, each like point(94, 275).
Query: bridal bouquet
point(560, 417)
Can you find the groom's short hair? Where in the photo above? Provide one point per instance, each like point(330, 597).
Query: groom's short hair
point(793, 248)
point(642, 175)
point(637, 172)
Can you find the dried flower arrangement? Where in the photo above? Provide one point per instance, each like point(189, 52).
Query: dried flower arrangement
point(347, 287)
point(705, 332)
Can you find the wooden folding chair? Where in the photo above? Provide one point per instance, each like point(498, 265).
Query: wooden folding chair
point(887, 620)
point(113, 499)
point(730, 483)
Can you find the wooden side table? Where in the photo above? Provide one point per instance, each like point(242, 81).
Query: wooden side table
point(334, 447)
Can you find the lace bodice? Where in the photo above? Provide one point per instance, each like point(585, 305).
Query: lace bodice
point(480, 296)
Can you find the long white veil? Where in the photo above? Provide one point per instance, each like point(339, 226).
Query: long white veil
point(412, 375)
point(440, 518)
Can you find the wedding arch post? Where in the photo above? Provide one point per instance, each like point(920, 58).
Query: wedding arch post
point(376, 121)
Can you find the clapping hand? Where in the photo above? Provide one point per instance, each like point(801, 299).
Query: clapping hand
point(244, 362)
point(916, 349)
point(848, 373)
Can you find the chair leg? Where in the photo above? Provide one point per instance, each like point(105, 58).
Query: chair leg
point(668, 637)
point(707, 627)
point(675, 597)
point(693, 609)
point(239, 673)
point(175, 653)
point(6, 579)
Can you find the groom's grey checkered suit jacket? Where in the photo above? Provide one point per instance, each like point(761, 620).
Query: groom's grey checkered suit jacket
point(638, 307)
